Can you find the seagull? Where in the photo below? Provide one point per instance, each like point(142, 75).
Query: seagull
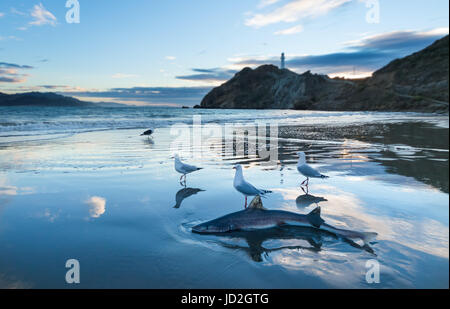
point(148, 133)
point(184, 169)
point(247, 189)
point(307, 171)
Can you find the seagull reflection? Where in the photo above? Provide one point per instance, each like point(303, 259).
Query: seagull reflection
point(149, 142)
point(305, 200)
point(185, 193)
point(313, 239)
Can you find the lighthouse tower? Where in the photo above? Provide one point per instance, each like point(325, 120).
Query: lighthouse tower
point(282, 61)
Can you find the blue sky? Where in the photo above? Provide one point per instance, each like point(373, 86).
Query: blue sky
point(159, 52)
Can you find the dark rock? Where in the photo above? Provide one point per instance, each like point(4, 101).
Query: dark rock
point(418, 82)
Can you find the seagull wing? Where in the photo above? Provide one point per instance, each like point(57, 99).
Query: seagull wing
point(248, 189)
point(189, 168)
point(308, 171)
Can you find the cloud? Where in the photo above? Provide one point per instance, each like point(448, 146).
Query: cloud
point(265, 3)
point(53, 87)
point(17, 12)
point(97, 206)
point(42, 17)
point(294, 11)
point(9, 72)
point(12, 79)
point(209, 75)
point(121, 75)
point(293, 30)
point(361, 57)
point(14, 66)
point(171, 58)
point(399, 40)
point(151, 96)
point(2, 14)
point(11, 37)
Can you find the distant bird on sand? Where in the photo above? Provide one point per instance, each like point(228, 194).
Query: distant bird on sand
point(307, 171)
point(148, 133)
point(247, 189)
point(184, 169)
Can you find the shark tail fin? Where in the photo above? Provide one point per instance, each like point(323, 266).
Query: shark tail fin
point(256, 203)
point(314, 218)
point(368, 237)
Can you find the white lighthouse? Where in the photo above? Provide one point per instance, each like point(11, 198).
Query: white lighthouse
point(282, 61)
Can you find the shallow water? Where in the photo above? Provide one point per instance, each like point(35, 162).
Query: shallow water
point(111, 199)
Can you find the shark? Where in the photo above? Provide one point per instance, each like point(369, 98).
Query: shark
point(257, 217)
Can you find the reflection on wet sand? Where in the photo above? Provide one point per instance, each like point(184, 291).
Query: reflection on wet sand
point(184, 194)
point(97, 206)
point(416, 149)
point(306, 200)
point(148, 142)
point(311, 239)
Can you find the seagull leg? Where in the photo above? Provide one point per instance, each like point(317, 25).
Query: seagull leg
point(303, 182)
point(307, 186)
point(304, 190)
point(245, 206)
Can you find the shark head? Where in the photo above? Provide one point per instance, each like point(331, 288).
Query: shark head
point(211, 227)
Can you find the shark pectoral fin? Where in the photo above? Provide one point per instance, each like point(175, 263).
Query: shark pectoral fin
point(314, 218)
point(256, 203)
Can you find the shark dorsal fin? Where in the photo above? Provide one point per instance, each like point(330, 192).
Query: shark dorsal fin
point(256, 203)
point(315, 211)
point(314, 218)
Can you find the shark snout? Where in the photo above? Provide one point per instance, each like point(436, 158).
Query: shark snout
point(201, 228)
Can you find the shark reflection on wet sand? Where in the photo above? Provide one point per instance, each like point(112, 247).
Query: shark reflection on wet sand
point(255, 240)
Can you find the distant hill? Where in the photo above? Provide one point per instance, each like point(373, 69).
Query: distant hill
point(39, 99)
point(418, 82)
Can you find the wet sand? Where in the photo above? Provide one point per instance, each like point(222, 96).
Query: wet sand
point(112, 200)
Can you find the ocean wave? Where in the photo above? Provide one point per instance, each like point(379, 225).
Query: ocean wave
point(45, 121)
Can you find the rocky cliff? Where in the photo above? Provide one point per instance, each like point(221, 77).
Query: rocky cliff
point(418, 82)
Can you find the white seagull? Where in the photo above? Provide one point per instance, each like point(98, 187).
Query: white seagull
point(307, 171)
point(184, 168)
point(247, 189)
